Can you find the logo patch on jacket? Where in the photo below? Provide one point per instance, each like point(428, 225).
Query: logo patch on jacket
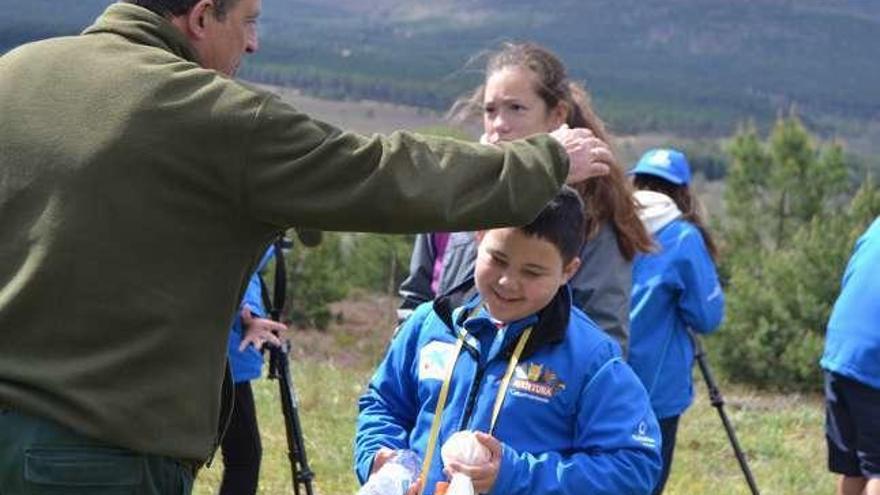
point(535, 381)
point(641, 435)
point(433, 360)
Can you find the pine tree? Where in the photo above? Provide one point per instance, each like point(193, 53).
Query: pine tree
point(789, 231)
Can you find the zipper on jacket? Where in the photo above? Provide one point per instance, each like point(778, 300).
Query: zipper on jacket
point(475, 390)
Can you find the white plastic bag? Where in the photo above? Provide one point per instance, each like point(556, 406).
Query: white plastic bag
point(463, 447)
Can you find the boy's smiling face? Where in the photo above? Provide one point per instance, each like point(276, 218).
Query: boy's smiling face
point(516, 274)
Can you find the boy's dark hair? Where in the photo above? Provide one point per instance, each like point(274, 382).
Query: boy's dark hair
point(174, 8)
point(561, 223)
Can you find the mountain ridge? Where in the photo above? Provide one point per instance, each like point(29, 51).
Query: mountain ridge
point(697, 67)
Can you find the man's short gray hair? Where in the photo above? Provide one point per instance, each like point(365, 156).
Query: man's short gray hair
point(174, 8)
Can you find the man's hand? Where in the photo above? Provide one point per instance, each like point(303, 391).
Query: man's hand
point(259, 331)
point(483, 476)
point(588, 155)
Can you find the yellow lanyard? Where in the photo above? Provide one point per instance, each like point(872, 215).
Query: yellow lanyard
point(505, 382)
point(444, 393)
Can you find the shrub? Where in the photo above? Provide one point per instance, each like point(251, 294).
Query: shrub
point(789, 231)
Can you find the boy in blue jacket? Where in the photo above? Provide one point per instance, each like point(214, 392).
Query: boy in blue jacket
point(555, 405)
point(852, 372)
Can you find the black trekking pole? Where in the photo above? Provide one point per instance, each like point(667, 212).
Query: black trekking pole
point(717, 401)
point(279, 369)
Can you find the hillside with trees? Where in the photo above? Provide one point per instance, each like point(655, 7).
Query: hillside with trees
point(691, 67)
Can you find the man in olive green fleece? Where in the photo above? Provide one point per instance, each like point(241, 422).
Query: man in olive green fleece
point(139, 183)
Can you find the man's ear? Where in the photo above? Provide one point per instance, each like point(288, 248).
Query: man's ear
point(479, 235)
point(197, 18)
point(571, 268)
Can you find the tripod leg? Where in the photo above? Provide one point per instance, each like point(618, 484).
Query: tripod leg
point(717, 401)
point(301, 474)
point(737, 450)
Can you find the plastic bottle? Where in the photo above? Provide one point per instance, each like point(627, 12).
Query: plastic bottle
point(395, 476)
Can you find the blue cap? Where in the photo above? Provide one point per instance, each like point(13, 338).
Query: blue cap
point(665, 163)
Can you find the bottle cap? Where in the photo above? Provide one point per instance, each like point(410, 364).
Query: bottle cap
point(441, 487)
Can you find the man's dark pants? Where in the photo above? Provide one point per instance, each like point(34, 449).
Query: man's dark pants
point(39, 457)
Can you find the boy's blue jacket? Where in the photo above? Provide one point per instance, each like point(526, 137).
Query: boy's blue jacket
point(674, 288)
point(852, 343)
point(575, 419)
point(248, 364)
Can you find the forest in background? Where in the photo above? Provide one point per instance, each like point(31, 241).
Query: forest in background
point(696, 68)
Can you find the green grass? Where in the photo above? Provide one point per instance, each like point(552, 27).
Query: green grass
point(782, 436)
point(328, 408)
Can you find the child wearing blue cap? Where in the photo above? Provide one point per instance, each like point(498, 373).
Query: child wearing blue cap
point(675, 289)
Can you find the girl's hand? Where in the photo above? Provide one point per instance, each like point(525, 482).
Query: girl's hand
point(259, 331)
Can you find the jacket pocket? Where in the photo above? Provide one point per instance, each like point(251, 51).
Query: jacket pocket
point(82, 470)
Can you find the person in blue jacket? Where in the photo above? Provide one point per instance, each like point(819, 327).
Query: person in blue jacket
point(852, 372)
point(675, 290)
point(572, 418)
point(241, 446)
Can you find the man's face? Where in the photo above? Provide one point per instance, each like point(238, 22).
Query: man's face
point(227, 39)
point(517, 275)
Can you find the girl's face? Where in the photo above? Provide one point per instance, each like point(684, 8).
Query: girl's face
point(512, 108)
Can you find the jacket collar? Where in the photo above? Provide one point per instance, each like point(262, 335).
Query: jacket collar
point(144, 27)
point(550, 328)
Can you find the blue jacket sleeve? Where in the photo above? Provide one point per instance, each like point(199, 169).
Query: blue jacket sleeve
point(616, 449)
point(253, 294)
point(253, 297)
point(702, 300)
point(389, 407)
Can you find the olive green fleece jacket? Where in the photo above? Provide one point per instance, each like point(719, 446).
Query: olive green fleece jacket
point(137, 191)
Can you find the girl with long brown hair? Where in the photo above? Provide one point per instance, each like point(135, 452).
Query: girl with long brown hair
point(528, 91)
